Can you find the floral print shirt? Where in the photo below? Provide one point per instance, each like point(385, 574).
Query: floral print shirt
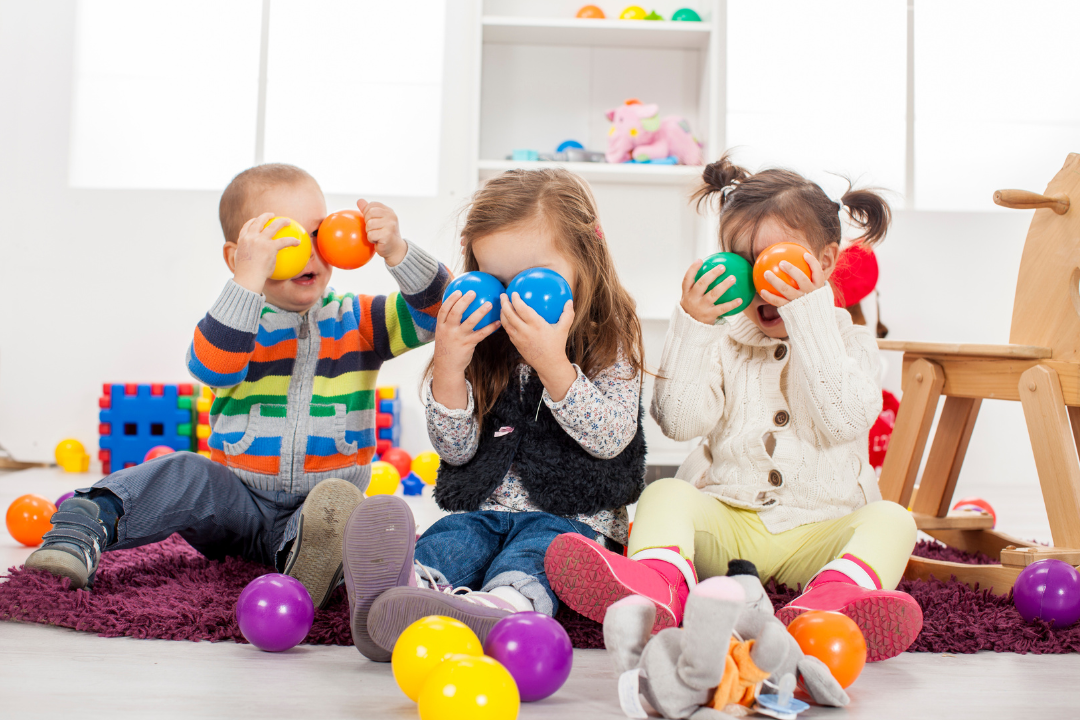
point(601, 414)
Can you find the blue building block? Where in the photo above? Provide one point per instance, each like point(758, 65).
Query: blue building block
point(412, 485)
point(137, 422)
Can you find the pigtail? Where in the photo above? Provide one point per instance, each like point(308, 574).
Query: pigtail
point(716, 176)
point(870, 212)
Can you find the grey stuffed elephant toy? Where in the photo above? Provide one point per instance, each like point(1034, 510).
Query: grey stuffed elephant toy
point(687, 672)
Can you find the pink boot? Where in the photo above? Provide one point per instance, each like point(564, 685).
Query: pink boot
point(590, 579)
point(890, 620)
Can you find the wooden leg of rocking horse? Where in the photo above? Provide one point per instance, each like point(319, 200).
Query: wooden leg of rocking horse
point(922, 388)
point(1055, 452)
point(946, 456)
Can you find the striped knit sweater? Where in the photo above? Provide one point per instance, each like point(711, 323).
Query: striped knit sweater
point(296, 393)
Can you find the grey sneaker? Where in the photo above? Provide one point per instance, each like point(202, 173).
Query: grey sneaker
point(315, 557)
point(378, 555)
point(399, 608)
point(73, 547)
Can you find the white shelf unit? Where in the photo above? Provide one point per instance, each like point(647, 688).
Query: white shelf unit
point(545, 76)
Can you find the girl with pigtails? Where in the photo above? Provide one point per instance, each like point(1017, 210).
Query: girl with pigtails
point(784, 395)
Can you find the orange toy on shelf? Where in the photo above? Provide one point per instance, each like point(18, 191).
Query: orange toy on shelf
point(591, 12)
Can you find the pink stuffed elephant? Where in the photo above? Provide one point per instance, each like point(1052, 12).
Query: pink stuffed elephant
point(639, 134)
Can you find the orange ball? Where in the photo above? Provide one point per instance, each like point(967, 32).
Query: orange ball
point(770, 258)
point(834, 639)
point(342, 240)
point(592, 12)
point(30, 517)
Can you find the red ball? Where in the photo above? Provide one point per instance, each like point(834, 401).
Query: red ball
point(156, 452)
point(834, 639)
point(770, 258)
point(342, 240)
point(400, 459)
point(975, 503)
point(28, 518)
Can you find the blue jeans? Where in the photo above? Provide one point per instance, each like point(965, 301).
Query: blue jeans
point(488, 548)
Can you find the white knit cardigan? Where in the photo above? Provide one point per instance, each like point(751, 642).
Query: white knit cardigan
point(815, 393)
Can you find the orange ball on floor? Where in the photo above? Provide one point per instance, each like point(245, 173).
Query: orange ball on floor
point(770, 259)
point(834, 639)
point(30, 517)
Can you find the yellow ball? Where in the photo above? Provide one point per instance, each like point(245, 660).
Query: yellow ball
point(633, 12)
point(478, 688)
point(384, 479)
point(71, 456)
point(291, 260)
point(426, 466)
point(424, 645)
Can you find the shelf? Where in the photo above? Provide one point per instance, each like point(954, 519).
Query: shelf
point(598, 33)
point(624, 173)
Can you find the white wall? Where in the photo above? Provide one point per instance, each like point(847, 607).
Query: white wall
point(103, 286)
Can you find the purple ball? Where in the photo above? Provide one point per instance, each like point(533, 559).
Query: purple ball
point(1049, 590)
point(64, 497)
point(535, 649)
point(274, 612)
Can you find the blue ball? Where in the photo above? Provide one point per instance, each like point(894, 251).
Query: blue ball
point(545, 291)
point(487, 289)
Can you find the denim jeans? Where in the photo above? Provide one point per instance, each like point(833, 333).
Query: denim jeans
point(488, 548)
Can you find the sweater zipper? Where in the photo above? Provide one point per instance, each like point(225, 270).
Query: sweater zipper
point(302, 351)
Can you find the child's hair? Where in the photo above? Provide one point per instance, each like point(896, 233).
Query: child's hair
point(746, 200)
point(605, 320)
point(235, 207)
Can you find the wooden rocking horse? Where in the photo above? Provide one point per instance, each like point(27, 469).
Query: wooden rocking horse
point(1040, 367)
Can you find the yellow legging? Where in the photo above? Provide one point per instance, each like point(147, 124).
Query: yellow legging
point(708, 533)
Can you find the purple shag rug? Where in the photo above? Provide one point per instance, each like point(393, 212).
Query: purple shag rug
point(170, 591)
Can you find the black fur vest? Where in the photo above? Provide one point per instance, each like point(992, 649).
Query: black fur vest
point(559, 475)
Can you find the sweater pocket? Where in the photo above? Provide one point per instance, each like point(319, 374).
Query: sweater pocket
point(252, 442)
point(327, 446)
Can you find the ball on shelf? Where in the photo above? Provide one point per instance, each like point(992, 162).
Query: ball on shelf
point(734, 265)
point(426, 466)
point(28, 518)
point(535, 649)
point(770, 259)
point(633, 12)
point(424, 645)
point(384, 479)
point(975, 503)
point(544, 290)
point(156, 452)
point(835, 640)
point(342, 240)
point(1049, 590)
point(291, 261)
point(685, 15)
point(591, 12)
point(400, 459)
point(487, 289)
point(469, 686)
point(274, 612)
point(71, 456)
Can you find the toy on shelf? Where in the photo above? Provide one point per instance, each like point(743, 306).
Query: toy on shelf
point(729, 648)
point(275, 612)
point(342, 240)
point(535, 649)
point(28, 518)
point(291, 260)
point(135, 418)
point(770, 259)
point(467, 686)
point(653, 15)
point(544, 290)
point(203, 403)
point(71, 456)
point(591, 12)
point(1048, 590)
point(567, 151)
point(426, 466)
point(639, 133)
point(835, 640)
point(633, 12)
point(685, 15)
point(425, 645)
point(387, 419)
point(734, 265)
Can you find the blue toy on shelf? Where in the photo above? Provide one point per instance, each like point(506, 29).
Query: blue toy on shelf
point(135, 418)
point(387, 419)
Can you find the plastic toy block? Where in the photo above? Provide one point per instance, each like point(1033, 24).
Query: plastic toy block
point(202, 431)
point(393, 434)
point(157, 389)
point(205, 454)
point(392, 407)
point(202, 404)
point(105, 468)
point(381, 446)
point(136, 419)
point(185, 389)
point(384, 420)
point(204, 418)
point(203, 445)
point(387, 392)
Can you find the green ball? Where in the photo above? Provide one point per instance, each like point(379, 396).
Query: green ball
point(686, 15)
point(744, 279)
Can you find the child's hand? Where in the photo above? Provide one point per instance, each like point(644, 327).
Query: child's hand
point(784, 292)
point(697, 301)
point(256, 251)
point(455, 338)
point(383, 232)
point(541, 344)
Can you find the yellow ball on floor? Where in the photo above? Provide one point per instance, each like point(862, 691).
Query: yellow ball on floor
point(426, 466)
point(384, 479)
point(424, 645)
point(478, 688)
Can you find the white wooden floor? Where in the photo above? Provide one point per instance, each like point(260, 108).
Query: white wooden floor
point(58, 673)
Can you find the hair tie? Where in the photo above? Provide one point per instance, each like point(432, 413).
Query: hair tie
point(728, 189)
